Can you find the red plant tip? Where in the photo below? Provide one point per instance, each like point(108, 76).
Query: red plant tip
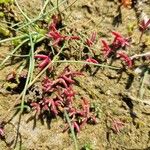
point(117, 125)
point(91, 40)
point(119, 40)
point(85, 113)
point(54, 108)
point(91, 60)
point(2, 130)
point(46, 60)
point(126, 58)
point(69, 92)
point(72, 38)
point(71, 111)
point(55, 36)
point(54, 23)
point(144, 24)
point(68, 79)
point(52, 27)
point(36, 107)
point(76, 126)
point(41, 56)
point(55, 19)
point(106, 49)
point(85, 106)
point(61, 81)
point(50, 104)
point(47, 85)
point(68, 74)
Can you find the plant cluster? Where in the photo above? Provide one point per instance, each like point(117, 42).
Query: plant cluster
point(113, 49)
point(59, 95)
point(55, 35)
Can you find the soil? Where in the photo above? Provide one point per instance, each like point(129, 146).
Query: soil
point(116, 93)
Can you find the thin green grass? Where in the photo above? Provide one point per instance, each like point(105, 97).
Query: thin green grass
point(143, 80)
point(87, 63)
point(71, 129)
point(18, 37)
point(11, 54)
point(22, 12)
point(32, 57)
point(30, 72)
point(44, 7)
point(41, 16)
point(14, 38)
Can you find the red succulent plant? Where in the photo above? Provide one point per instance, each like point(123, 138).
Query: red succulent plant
point(91, 60)
point(126, 58)
point(106, 49)
point(143, 26)
point(56, 36)
point(63, 95)
point(117, 125)
point(86, 114)
point(90, 41)
point(119, 40)
point(45, 60)
point(36, 106)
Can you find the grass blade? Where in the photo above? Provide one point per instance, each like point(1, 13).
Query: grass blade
point(88, 63)
point(72, 130)
point(4, 61)
point(30, 73)
point(39, 17)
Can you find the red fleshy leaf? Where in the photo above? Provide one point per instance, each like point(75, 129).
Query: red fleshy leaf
point(126, 58)
point(119, 40)
point(144, 25)
point(91, 60)
point(91, 40)
point(46, 60)
point(106, 49)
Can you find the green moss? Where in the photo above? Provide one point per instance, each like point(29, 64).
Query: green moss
point(139, 124)
point(10, 86)
point(87, 147)
point(131, 27)
point(40, 30)
point(16, 42)
point(4, 31)
point(147, 40)
point(6, 1)
point(2, 14)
